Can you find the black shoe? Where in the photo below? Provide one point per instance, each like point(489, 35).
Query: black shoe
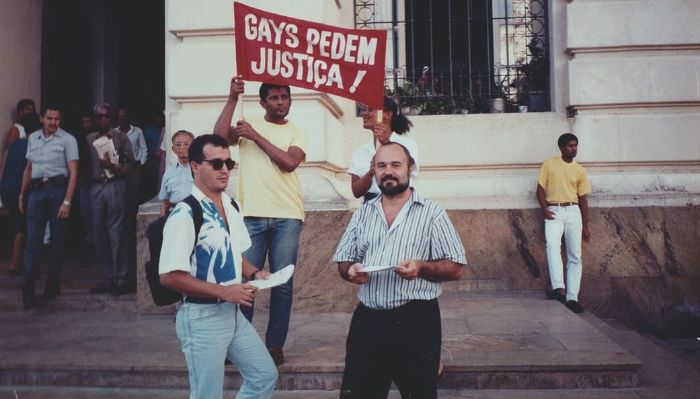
point(574, 306)
point(556, 294)
point(102, 288)
point(28, 295)
point(123, 289)
point(52, 291)
point(277, 355)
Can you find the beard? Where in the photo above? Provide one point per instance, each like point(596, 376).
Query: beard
point(398, 188)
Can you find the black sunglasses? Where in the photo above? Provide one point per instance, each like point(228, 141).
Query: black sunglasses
point(217, 163)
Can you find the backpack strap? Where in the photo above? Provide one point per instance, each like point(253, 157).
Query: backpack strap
point(197, 216)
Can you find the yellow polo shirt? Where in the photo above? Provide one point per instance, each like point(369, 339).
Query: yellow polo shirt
point(264, 190)
point(563, 181)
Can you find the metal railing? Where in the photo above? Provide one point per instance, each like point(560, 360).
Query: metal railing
point(463, 56)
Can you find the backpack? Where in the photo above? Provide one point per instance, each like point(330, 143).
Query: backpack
point(163, 296)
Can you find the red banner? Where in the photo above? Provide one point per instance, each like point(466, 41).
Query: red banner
point(278, 49)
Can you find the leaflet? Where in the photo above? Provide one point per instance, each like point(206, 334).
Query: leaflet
point(279, 278)
point(105, 145)
point(374, 269)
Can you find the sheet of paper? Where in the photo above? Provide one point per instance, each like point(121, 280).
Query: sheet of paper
point(374, 269)
point(105, 145)
point(279, 278)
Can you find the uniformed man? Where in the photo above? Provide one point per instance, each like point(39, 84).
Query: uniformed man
point(49, 181)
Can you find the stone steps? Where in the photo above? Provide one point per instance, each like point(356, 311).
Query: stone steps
point(491, 340)
point(42, 392)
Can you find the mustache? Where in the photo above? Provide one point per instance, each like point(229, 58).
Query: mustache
point(389, 177)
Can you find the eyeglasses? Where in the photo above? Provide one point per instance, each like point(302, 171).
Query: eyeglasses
point(181, 145)
point(103, 116)
point(217, 163)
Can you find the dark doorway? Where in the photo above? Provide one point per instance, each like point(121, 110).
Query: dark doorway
point(104, 50)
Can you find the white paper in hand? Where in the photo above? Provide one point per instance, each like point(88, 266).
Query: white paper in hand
point(374, 269)
point(105, 145)
point(279, 278)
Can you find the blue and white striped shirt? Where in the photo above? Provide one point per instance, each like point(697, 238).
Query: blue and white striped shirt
point(421, 231)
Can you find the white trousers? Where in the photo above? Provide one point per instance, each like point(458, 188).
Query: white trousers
point(567, 222)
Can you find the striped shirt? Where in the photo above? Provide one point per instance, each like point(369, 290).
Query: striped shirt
point(421, 231)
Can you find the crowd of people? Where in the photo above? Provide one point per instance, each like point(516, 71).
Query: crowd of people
point(398, 247)
point(44, 168)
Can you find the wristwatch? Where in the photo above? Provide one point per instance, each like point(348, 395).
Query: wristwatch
point(66, 202)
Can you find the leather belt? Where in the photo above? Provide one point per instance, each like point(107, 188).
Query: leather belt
point(562, 204)
point(202, 300)
point(53, 181)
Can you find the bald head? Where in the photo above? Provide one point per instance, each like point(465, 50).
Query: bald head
point(392, 168)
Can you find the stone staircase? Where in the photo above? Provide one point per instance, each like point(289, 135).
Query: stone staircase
point(494, 341)
point(498, 342)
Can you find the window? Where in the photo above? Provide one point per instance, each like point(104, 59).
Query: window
point(463, 56)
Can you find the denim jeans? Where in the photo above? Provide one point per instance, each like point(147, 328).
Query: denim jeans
point(277, 240)
point(567, 222)
point(211, 333)
point(42, 208)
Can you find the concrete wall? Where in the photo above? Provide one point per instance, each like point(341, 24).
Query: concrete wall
point(642, 265)
point(20, 29)
point(625, 80)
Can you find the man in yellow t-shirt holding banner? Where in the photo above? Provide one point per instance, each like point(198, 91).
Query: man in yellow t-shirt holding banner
point(562, 192)
point(269, 192)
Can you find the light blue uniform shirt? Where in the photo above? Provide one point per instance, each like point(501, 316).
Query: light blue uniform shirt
point(50, 157)
point(177, 183)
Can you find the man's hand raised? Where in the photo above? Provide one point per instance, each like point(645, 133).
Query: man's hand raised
point(245, 130)
point(237, 88)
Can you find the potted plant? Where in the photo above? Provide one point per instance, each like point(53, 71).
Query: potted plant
point(534, 81)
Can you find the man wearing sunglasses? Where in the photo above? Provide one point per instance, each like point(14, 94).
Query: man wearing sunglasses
point(269, 191)
point(209, 270)
point(107, 199)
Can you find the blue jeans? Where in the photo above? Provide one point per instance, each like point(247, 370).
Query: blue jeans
point(42, 207)
point(211, 333)
point(278, 240)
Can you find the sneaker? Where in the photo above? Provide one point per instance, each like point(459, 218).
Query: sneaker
point(556, 294)
point(277, 355)
point(574, 306)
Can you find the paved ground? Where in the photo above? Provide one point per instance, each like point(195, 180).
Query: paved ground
point(96, 340)
point(510, 330)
